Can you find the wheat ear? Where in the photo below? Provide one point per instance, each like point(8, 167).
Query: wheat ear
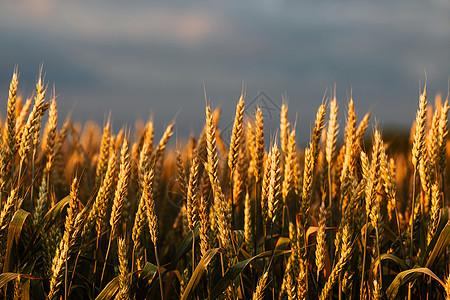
point(434, 212)
point(103, 154)
point(191, 197)
point(124, 283)
point(274, 199)
point(258, 149)
point(260, 288)
point(236, 135)
point(320, 240)
point(290, 178)
point(442, 142)
point(343, 259)
point(11, 125)
point(317, 132)
point(284, 129)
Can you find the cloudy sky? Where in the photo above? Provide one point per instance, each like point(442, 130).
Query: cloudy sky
point(136, 58)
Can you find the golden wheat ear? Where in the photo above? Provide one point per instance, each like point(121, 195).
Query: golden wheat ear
point(284, 128)
point(236, 135)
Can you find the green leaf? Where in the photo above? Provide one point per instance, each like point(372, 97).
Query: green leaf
point(18, 221)
point(236, 269)
point(440, 242)
point(149, 272)
point(198, 272)
point(185, 247)
point(406, 277)
point(400, 262)
point(282, 243)
point(7, 277)
point(110, 290)
point(238, 238)
point(53, 213)
point(46, 222)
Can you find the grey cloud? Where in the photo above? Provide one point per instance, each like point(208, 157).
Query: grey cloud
point(142, 57)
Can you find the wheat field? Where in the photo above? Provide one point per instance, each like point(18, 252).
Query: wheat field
point(89, 213)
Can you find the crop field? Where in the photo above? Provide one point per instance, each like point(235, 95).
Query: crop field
point(90, 213)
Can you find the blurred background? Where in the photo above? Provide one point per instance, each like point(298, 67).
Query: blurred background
point(136, 58)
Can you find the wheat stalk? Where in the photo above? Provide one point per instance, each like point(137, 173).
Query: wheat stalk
point(62, 252)
point(339, 267)
point(147, 195)
point(417, 153)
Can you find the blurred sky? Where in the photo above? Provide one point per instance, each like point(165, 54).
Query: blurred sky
point(139, 57)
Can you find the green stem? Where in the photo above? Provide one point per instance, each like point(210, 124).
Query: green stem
point(65, 281)
point(106, 258)
point(412, 229)
point(412, 217)
point(364, 259)
point(32, 175)
point(95, 263)
point(159, 272)
point(193, 251)
point(379, 264)
point(330, 191)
